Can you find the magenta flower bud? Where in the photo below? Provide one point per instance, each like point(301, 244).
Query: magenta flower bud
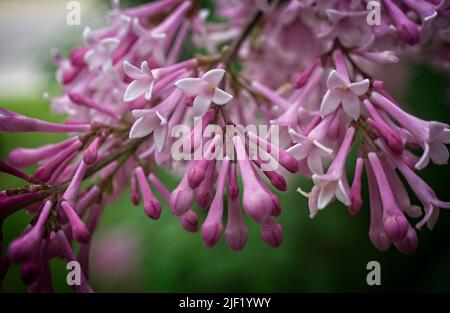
point(189, 221)
point(197, 173)
point(24, 247)
point(135, 197)
point(11, 204)
point(256, 201)
point(407, 30)
point(271, 95)
point(233, 186)
point(204, 191)
point(236, 232)
point(86, 200)
point(182, 198)
point(277, 180)
point(70, 75)
point(276, 205)
point(22, 157)
point(159, 186)
point(79, 230)
point(303, 78)
point(408, 245)
point(395, 223)
point(71, 193)
point(45, 172)
point(9, 169)
point(152, 207)
point(79, 99)
point(271, 232)
point(355, 191)
point(376, 232)
point(14, 122)
point(212, 227)
point(76, 56)
point(282, 156)
point(90, 156)
point(393, 140)
point(29, 271)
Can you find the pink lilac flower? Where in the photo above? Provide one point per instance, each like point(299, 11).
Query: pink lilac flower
point(305, 69)
point(205, 90)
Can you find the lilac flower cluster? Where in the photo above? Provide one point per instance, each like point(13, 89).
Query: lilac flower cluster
point(301, 66)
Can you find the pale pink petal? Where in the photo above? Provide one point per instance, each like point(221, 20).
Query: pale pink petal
point(324, 150)
point(144, 126)
point(134, 90)
point(142, 112)
point(148, 91)
point(351, 105)
point(145, 69)
point(335, 81)
point(424, 159)
point(221, 97)
point(315, 164)
point(439, 153)
point(93, 59)
point(201, 105)
point(110, 44)
point(360, 88)
point(160, 136)
point(326, 195)
point(191, 86)
point(330, 103)
point(297, 137)
point(300, 151)
point(343, 192)
point(214, 76)
point(131, 70)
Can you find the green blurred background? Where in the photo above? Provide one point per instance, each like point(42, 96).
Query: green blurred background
point(326, 254)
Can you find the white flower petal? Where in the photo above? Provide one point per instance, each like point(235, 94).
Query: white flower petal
point(343, 192)
point(300, 150)
point(146, 69)
point(351, 105)
point(110, 44)
point(142, 112)
point(360, 88)
point(144, 126)
point(214, 76)
point(88, 37)
point(201, 105)
point(134, 90)
point(315, 164)
point(326, 195)
point(424, 159)
point(221, 97)
point(131, 70)
point(439, 154)
point(149, 90)
point(329, 103)
point(335, 81)
point(93, 59)
point(297, 137)
point(191, 86)
point(160, 136)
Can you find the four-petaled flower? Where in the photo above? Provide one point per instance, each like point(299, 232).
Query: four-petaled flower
point(341, 91)
point(206, 91)
point(143, 81)
point(101, 52)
